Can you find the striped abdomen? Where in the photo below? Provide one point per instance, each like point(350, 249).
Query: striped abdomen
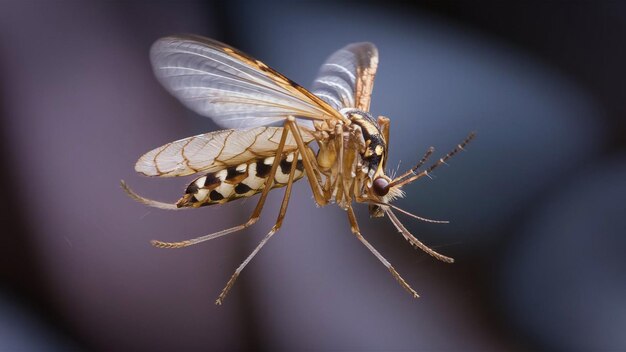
point(239, 181)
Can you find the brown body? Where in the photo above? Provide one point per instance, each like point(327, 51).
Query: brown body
point(326, 134)
point(349, 157)
point(244, 180)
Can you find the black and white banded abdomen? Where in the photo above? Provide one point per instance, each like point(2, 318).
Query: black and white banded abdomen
point(239, 181)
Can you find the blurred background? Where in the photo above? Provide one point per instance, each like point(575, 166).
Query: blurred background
point(536, 204)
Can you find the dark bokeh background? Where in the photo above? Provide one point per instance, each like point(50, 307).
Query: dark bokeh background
point(537, 203)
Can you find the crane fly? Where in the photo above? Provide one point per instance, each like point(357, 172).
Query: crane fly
point(277, 133)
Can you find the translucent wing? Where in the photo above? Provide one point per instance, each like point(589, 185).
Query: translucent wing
point(346, 79)
point(235, 90)
point(214, 151)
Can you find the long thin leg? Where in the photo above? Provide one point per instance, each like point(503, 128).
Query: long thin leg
point(339, 149)
point(318, 194)
point(384, 122)
point(255, 214)
point(414, 241)
point(420, 218)
point(340, 188)
point(279, 222)
point(355, 230)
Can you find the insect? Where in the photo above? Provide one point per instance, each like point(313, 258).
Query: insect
point(279, 132)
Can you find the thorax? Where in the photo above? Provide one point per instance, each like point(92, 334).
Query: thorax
point(350, 156)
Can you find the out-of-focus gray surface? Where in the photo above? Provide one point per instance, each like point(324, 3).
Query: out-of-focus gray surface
point(568, 262)
point(536, 213)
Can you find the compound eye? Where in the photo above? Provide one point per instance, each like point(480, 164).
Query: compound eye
point(380, 186)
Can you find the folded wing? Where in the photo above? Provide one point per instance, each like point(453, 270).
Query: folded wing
point(214, 151)
point(233, 89)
